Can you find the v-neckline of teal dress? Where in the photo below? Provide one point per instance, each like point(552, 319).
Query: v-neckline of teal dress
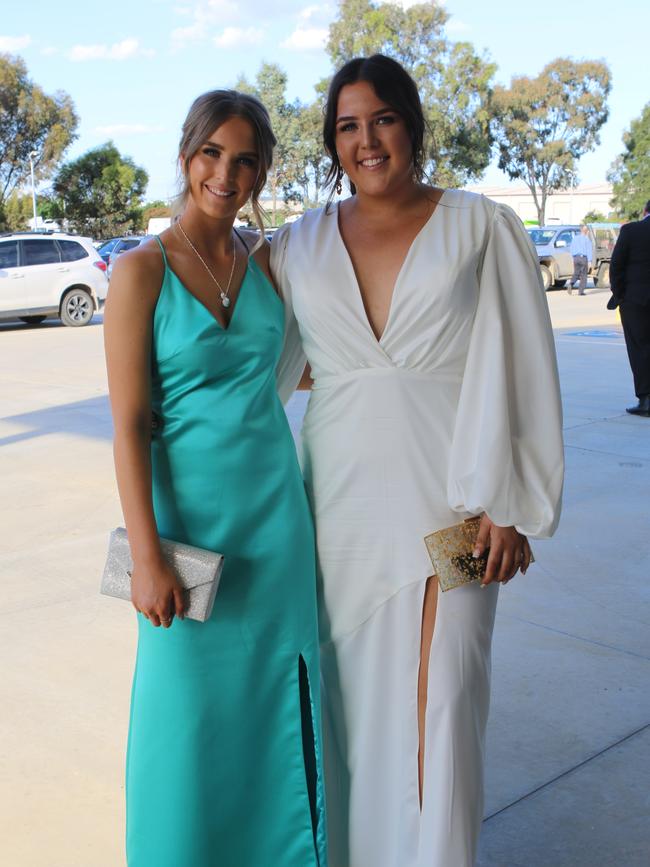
point(225, 329)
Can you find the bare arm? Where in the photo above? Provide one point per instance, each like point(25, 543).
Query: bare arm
point(134, 289)
point(306, 381)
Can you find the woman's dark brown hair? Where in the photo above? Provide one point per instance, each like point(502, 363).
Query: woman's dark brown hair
point(392, 83)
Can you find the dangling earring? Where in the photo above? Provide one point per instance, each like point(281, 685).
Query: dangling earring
point(339, 186)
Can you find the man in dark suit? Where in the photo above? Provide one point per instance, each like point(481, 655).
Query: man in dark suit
point(629, 274)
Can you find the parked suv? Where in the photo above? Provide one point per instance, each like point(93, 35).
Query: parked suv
point(553, 245)
point(50, 274)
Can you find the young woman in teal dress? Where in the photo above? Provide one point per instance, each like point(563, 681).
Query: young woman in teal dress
point(223, 759)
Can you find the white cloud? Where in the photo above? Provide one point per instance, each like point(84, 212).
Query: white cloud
point(182, 35)
point(233, 37)
point(128, 129)
point(306, 39)
point(123, 50)
point(308, 12)
point(317, 15)
point(14, 43)
point(207, 15)
point(49, 50)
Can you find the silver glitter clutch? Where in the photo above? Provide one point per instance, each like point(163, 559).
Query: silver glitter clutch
point(197, 570)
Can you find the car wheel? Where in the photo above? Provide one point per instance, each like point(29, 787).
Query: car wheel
point(547, 277)
point(33, 320)
point(602, 275)
point(77, 308)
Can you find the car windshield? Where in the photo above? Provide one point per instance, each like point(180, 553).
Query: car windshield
point(107, 246)
point(540, 237)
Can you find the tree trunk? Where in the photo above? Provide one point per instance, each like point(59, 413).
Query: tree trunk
point(541, 211)
point(539, 206)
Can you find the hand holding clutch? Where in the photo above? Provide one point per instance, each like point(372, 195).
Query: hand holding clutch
point(197, 570)
point(461, 554)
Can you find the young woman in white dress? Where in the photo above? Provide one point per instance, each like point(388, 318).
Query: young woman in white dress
point(434, 397)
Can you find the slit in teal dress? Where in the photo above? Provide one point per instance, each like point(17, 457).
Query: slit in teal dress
point(309, 748)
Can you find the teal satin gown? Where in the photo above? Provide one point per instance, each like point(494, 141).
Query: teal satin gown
point(224, 753)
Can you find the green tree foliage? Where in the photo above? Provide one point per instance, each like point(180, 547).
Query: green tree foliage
point(270, 87)
point(542, 126)
point(299, 163)
point(47, 206)
point(30, 120)
point(18, 209)
point(102, 192)
point(594, 217)
point(155, 209)
point(454, 82)
point(310, 161)
point(630, 173)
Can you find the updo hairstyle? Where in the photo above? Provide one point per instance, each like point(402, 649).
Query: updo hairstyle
point(208, 112)
point(392, 84)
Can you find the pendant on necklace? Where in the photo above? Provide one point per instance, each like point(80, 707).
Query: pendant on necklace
point(225, 301)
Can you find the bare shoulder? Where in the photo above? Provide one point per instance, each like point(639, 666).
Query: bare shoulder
point(138, 274)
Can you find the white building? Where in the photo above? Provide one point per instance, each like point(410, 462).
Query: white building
point(566, 206)
point(43, 224)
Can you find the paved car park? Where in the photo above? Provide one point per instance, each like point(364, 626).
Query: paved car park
point(569, 733)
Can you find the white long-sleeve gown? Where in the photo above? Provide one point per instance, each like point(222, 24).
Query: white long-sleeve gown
point(454, 411)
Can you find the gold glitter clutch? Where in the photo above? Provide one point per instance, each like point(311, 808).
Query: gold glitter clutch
point(451, 554)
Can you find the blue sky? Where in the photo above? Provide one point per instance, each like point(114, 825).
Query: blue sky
point(132, 69)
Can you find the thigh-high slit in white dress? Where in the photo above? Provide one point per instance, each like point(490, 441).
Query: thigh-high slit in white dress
point(454, 411)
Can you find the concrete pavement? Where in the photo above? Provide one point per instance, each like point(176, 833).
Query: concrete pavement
point(569, 733)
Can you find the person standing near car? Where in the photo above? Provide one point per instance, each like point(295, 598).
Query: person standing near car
point(582, 251)
point(629, 274)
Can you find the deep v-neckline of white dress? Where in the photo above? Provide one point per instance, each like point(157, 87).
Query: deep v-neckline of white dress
point(355, 280)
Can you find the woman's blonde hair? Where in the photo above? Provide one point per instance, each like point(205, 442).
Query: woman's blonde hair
point(208, 112)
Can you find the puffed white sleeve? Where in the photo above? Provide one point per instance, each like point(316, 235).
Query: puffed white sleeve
point(507, 456)
point(292, 360)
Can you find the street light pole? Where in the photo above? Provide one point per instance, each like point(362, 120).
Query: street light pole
point(33, 154)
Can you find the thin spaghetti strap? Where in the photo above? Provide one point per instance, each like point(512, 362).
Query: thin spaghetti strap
point(162, 250)
point(241, 239)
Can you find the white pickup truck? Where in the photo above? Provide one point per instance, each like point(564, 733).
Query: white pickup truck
point(553, 245)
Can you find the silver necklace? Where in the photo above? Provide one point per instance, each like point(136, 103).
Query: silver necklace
point(224, 295)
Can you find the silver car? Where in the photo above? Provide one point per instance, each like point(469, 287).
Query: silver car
point(553, 245)
point(119, 246)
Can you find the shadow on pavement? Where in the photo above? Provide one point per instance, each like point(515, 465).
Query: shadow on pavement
point(17, 325)
point(87, 418)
